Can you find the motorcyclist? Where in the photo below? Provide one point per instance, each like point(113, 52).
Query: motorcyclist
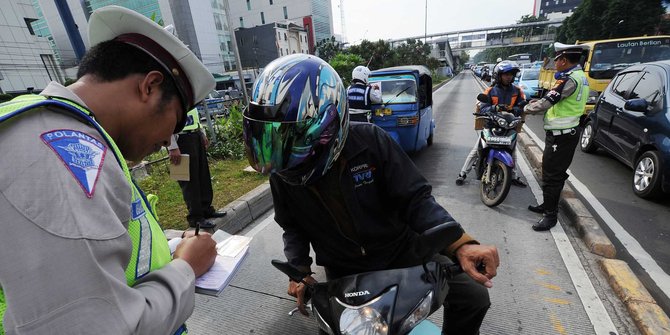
point(361, 95)
point(505, 97)
point(349, 190)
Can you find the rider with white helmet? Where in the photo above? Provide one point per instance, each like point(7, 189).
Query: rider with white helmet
point(361, 95)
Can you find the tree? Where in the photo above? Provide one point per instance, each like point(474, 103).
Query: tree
point(379, 54)
point(344, 64)
point(327, 48)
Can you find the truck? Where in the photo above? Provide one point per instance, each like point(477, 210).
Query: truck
point(606, 58)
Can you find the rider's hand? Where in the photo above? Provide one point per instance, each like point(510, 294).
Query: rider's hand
point(474, 256)
point(297, 290)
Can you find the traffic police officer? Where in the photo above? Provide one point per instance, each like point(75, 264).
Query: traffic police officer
point(564, 105)
point(197, 191)
point(81, 250)
point(361, 95)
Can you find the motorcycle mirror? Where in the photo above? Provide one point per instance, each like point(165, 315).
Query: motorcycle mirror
point(289, 270)
point(484, 98)
point(433, 240)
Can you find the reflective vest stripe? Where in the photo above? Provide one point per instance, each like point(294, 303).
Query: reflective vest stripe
point(567, 112)
point(192, 120)
point(150, 249)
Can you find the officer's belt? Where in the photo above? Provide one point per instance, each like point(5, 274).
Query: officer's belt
point(559, 132)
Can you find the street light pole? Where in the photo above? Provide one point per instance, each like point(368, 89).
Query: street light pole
point(237, 53)
point(425, 24)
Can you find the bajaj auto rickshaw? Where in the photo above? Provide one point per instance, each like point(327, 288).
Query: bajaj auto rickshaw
point(406, 110)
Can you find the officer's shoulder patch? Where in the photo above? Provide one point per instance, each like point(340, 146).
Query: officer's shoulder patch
point(81, 153)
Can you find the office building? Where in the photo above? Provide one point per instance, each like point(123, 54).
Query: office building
point(27, 62)
point(262, 44)
point(313, 15)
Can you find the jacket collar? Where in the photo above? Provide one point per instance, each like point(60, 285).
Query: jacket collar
point(354, 144)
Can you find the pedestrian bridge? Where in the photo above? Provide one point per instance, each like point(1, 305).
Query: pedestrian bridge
point(520, 34)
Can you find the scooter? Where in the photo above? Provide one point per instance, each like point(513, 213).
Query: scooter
point(495, 160)
point(386, 302)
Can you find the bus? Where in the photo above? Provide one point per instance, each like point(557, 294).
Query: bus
point(606, 58)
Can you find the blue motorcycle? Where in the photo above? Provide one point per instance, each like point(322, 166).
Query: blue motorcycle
point(495, 161)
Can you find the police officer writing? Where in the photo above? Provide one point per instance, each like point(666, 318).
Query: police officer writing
point(197, 191)
point(564, 105)
point(82, 251)
point(361, 95)
point(349, 190)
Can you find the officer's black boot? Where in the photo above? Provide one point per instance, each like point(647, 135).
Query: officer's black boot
point(537, 209)
point(548, 221)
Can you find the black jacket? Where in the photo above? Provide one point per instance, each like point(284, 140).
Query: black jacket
point(386, 198)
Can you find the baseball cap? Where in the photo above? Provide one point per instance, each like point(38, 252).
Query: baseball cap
point(191, 77)
point(562, 49)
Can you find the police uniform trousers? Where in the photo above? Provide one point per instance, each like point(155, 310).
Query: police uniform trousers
point(197, 191)
point(556, 159)
point(465, 306)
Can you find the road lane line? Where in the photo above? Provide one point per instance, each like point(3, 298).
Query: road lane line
point(633, 247)
point(601, 321)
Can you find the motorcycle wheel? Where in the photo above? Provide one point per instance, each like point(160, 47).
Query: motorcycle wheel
point(494, 192)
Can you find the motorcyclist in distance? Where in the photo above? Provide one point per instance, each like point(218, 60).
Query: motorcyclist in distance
point(505, 97)
point(361, 95)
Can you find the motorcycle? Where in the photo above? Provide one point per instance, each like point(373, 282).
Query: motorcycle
point(495, 160)
point(385, 302)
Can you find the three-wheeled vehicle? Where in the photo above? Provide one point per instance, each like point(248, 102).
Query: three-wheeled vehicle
point(406, 111)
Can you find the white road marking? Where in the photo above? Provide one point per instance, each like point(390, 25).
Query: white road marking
point(633, 247)
point(602, 323)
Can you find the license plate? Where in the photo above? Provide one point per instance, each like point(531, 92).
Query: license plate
point(383, 111)
point(499, 140)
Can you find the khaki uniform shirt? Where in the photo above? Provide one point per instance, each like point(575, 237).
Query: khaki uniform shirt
point(63, 254)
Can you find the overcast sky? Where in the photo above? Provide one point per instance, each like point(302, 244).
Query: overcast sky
point(391, 19)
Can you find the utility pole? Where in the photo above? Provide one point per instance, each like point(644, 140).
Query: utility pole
point(425, 24)
point(237, 53)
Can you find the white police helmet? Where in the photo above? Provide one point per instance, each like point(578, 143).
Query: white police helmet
point(360, 73)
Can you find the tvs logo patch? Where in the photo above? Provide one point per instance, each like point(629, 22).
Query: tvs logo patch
point(363, 175)
point(81, 153)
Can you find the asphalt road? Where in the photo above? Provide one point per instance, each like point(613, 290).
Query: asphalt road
point(639, 228)
point(547, 283)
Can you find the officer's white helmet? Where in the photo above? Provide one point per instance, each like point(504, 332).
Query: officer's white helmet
point(360, 73)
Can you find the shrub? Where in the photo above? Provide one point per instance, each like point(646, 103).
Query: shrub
point(229, 143)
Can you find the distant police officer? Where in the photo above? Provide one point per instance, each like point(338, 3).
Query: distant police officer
point(82, 251)
point(197, 191)
point(361, 95)
point(564, 105)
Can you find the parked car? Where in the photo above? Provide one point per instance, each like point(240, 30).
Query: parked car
point(527, 81)
point(631, 121)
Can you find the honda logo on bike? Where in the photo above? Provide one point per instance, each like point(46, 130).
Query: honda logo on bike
point(356, 294)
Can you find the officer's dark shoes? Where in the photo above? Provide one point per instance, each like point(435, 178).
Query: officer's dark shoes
point(206, 224)
point(519, 182)
point(548, 221)
point(536, 209)
point(216, 214)
point(460, 179)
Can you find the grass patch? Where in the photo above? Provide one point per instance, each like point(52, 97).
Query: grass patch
point(229, 182)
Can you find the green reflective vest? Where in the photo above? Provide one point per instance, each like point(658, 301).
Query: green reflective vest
point(192, 121)
point(150, 249)
point(566, 113)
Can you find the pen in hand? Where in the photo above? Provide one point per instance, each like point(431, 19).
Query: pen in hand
point(197, 229)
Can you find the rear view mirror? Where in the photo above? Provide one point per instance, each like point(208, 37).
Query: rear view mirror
point(637, 105)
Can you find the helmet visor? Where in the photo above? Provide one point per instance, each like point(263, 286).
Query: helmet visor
point(271, 146)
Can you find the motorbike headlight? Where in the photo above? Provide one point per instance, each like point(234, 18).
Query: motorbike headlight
point(501, 122)
point(371, 318)
point(365, 320)
point(420, 313)
point(514, 123)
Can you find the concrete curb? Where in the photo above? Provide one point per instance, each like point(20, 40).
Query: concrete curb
point(648, 316)
point(245, 209)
